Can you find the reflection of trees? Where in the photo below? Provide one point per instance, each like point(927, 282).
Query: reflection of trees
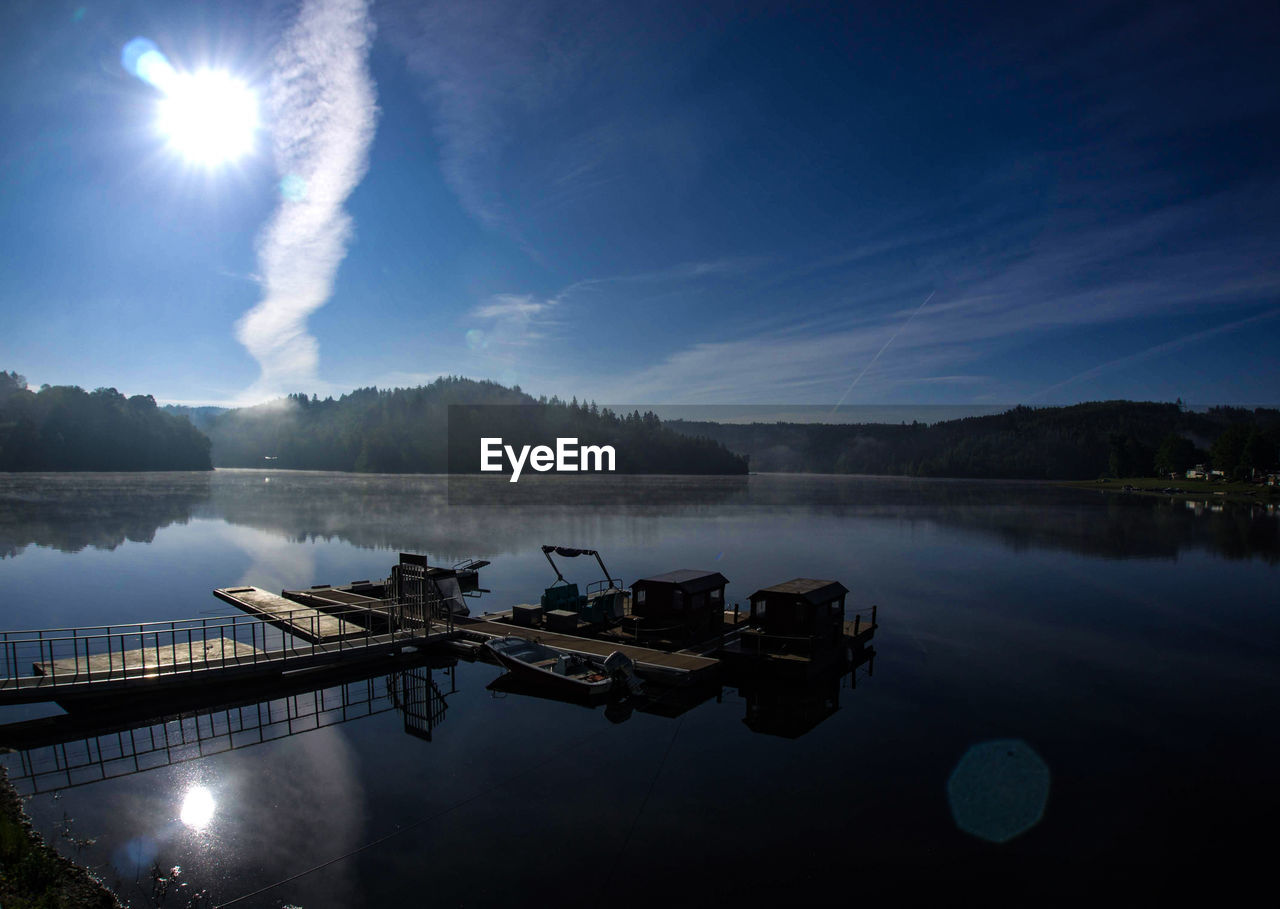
point(1027, 516)
point(460, 517)
point(71, 512)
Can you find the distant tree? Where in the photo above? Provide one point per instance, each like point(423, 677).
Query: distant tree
point(1257, 453)
point(1175, 454)
point(64, 427)
point(1228, 450)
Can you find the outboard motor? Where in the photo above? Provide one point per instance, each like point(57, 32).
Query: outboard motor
point(621, 668)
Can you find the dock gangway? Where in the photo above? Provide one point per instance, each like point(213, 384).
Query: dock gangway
point(66, 664)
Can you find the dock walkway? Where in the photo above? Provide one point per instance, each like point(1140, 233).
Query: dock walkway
point(305, 622)
point(657, 664)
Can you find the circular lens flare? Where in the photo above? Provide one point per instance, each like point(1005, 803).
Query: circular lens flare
point(208, 117)
point(198, 807)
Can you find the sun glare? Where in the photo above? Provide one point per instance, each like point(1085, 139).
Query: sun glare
point(198, 807)
point(208, 117)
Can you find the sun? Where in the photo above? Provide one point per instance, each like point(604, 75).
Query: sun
point(208, 117)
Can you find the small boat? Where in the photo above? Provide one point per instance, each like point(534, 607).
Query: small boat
point(569, 673)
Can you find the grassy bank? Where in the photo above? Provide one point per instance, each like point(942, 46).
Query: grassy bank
point(1203, 490)
point(32, 874)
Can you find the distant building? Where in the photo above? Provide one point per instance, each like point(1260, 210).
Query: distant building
point(1199, 472)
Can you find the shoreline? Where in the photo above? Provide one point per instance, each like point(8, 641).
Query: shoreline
point(1192, 490)
point(33, 873)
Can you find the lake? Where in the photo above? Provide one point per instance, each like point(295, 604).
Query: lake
point(1067, 684)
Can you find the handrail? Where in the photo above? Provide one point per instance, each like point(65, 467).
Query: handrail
point(151, 627)
point(127, 652)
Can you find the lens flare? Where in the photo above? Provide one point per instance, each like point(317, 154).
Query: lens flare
point(999, 790)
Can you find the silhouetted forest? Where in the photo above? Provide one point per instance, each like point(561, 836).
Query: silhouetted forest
point(62, 427)
point(406, 430)
point(1084, 441)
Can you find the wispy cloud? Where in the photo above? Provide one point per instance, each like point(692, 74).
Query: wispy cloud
point(539, 104)
point(323, 109)
point(503, 306)
point(1177, 260)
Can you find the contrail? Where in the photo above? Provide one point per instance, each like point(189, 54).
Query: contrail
point(882, 350)
point(323, 109)
point(1158, 350)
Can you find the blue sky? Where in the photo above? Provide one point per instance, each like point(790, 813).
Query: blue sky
point(658, 202)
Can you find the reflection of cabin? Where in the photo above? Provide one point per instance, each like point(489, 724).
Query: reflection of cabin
point(678, 605)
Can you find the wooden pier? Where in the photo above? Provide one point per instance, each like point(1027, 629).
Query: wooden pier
point(653, 664)
point(374, 613)
point(177, 656)
point(796, 627)
point(156, 658)
point(305, 622)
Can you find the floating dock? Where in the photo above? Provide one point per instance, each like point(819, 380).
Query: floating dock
point(653, 664)
point(178, 656)
point(306, 622)
point(796, 627)
point(365, 611)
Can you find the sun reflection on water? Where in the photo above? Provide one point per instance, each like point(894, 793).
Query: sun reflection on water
point(198, 807)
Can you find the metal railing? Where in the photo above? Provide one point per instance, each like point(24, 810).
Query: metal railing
point(144, 650)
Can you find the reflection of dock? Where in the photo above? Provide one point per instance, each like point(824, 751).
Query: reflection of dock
point(77, 749)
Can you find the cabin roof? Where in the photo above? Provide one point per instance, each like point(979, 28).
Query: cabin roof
point(690, 580)
point(809, 589)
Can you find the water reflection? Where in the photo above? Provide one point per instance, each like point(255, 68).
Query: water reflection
point(791, 710)
point(70, 512)
point(198, 806)
point(76, 749)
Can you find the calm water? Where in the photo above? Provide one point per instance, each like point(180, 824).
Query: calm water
point(1120, 652)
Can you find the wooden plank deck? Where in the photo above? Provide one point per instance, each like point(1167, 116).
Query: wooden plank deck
point(329, 595)
point(351, 607)
point(288, 663)
point(865, 631)
point(649, 663)
point(178, 656)
point(305, 622)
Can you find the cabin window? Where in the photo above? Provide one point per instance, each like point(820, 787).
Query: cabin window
point(640, 596)
point(717, 595)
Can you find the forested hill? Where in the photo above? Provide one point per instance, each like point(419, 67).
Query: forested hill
point(62, 427)
point(1084, 441)
point(405, 430)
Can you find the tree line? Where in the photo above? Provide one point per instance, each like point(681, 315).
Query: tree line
point(407, 430)
point(64, 427)
point(1083, 441)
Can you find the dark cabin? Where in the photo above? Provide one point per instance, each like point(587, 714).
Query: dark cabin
point(801, 608)
point(686, 603)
